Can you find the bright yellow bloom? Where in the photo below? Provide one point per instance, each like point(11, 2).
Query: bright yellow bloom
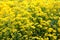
point(50, 29)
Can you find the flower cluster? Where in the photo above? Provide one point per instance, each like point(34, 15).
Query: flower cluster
point(29, 20)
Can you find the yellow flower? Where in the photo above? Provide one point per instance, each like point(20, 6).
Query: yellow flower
point(59, 22)
point(46, 38)
point(33, 27)
point(58, 29)
point(50, 35)
point(54, 37)
point(14, 30)
point(50, 29)
point(54, 30)
point(40, 26)
point(41, 39)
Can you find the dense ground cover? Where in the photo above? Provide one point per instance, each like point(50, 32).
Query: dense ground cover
point(29, 20)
